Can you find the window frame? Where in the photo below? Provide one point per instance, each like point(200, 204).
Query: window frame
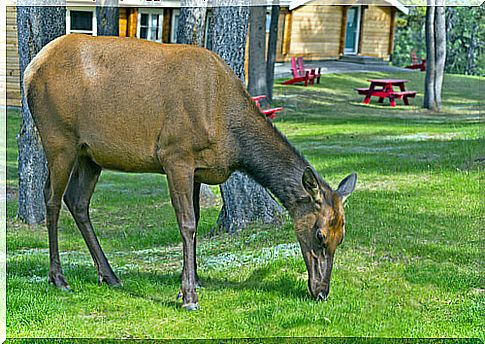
point(90, 9)
point(355, 50)
point(150, 12)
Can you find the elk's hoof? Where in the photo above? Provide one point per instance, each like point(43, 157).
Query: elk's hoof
point(191, 306)
point(322, 297)
point(112, 281)
point(59, 282)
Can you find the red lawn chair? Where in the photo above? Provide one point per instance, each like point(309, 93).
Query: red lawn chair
point(270, 113)
point(416, 63)
point(312, 70)
point(299, 75)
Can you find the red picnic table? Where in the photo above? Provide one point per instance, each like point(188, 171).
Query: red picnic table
point(383, 88)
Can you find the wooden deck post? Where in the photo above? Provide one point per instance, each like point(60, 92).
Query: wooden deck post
point(343, 29)
point(132, 19)
point(287, 35)
point(392, 31)
point(361, 28)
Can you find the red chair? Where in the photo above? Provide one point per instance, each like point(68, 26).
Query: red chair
point(312, 70)
point(416, 63)
point(299, 75)
point(270, 113)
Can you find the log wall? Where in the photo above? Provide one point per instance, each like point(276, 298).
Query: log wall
point(13, 67)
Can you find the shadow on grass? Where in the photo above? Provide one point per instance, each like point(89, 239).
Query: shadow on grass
point(142, 284)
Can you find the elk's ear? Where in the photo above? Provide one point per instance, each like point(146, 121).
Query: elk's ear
point(347, 186)
point(310, 183)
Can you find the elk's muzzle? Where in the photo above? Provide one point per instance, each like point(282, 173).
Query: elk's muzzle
point(319, 265)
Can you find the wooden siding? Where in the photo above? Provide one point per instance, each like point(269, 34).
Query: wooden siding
point(123, 22)
point(315, 31)
point(13, 67)
point(376, 32)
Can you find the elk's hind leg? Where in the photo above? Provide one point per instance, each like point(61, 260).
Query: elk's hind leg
point(59, 166)
point(81, 186)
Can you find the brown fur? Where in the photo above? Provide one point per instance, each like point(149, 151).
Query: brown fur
point(137, 106)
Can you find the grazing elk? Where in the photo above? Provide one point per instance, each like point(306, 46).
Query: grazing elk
point(137, 106)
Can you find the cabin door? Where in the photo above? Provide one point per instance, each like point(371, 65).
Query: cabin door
point(352, 31)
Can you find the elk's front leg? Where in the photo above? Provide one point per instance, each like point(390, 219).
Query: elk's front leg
point(196, 202)
point(181, 185)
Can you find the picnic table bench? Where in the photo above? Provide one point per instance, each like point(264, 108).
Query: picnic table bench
point(383, 88)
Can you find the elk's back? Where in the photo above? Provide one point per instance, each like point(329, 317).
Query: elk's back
point(131, 104)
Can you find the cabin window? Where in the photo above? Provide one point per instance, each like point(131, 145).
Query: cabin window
point(150, 23)
point(175, 24)
point(81, 20)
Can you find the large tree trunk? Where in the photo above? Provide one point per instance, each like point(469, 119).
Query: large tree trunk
point(107, 17)
point(257, 51)
point(429, 101)
point(440, 52)
point(272, 42)
point(245, 201)
point(229, 32)
point(435, 54)
point(191, 27)
point(37, 26)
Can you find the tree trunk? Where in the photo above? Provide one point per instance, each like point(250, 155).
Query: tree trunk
point(271, 56)
point(440, 51)
point(429, 88)
point(257, 51)
point(229, 33)
point(37, 26)
point(435, 54)
point(191, 26)
point(107, 17)
point(245, 201)
point(450, 36)
point(472, 46)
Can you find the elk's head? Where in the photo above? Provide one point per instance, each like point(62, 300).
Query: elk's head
point(320, 228)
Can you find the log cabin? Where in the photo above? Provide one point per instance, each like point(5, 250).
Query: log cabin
point(314, 29)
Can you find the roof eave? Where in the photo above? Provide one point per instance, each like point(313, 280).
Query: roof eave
point(396, 3)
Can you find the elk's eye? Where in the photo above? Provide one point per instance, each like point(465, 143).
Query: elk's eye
point(320, 237)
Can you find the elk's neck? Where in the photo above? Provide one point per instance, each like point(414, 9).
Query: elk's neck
point(267, 156)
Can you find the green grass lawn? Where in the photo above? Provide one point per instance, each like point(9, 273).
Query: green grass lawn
point(410, 266)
